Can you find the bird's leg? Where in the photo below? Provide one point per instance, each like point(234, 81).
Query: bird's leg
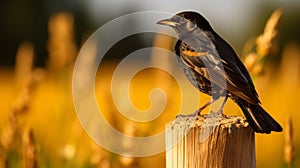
point(205, 105)
point(220, 111)
point(199, 110)
point(214, 117)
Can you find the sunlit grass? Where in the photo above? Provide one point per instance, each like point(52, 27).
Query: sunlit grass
point(60, 141)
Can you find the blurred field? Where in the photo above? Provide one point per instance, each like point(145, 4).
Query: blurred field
point(39, 126)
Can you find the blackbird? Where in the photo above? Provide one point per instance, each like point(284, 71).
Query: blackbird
point(213, 67)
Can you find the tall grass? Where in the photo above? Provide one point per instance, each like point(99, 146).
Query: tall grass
point(39, 128)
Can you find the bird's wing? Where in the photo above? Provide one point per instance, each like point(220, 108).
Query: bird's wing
point(189, 74)
point(201, 55)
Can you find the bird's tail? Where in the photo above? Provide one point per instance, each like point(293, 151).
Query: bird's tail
point(259, 119)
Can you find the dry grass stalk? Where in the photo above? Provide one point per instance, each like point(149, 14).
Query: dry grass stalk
point(61, 44)
point(264, 44)
point(288, 143)
point(24, 63)
point(265, 41)
point(23, 69)
point(13, 130)
point(29, 150)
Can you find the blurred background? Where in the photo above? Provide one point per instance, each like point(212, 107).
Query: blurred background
point(41, 39)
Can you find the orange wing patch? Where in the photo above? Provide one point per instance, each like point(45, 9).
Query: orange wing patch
point(193, 53)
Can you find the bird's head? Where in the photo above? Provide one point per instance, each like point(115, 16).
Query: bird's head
point(186, 22)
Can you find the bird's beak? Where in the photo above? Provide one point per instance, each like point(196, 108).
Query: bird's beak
point(167, 22)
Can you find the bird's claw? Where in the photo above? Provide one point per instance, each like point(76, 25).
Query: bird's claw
point(195, 114)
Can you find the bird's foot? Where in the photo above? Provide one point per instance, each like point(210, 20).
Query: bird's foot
point(218, 114)
point(195, 114)
point(198, 112)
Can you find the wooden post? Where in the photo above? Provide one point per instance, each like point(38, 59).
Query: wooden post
point(199, 143)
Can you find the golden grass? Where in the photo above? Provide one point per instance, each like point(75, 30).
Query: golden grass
point(288, 143)
point(38, 123)
point(263, 45)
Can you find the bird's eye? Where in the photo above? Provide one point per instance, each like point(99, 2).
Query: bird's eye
point(179, 19)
